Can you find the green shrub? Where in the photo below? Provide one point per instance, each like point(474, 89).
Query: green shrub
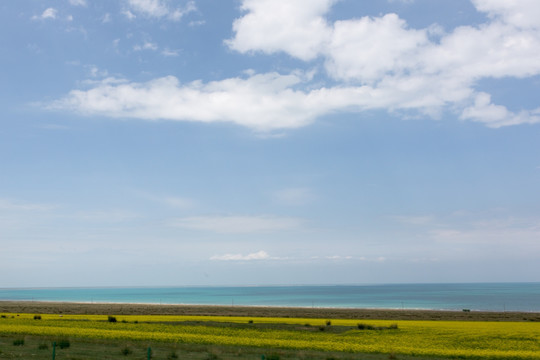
point(365, 327)
point(37, 317)
point(126, 351)
point(111, 319)
point(64, 344)
point(43, 346)
point(172, 356)
point(18, 342)
point(328, 323)
point(371, 327)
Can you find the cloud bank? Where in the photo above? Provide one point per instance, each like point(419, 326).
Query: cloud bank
point(371, 63)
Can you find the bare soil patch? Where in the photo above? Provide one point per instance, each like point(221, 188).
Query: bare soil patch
point(258, 311)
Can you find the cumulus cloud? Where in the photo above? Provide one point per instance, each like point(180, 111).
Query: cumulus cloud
point(237, 224)
point(371, 62)
point(261, 101)
point(260, 255)
point(78, 2)
point(296, 27)
point(159, 9)
point(521, 13)
point(369, 48)
point(497, 115)
point(383, 51)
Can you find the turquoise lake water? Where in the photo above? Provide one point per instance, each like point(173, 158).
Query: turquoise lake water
point(485, 296)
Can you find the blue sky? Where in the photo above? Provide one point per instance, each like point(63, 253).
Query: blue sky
point(165, 142)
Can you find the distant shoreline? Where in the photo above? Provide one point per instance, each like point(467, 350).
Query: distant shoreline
point(54, 307)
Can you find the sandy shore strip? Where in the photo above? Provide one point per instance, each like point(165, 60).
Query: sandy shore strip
point(36, 307)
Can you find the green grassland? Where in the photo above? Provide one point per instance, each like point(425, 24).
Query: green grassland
point(39, 347)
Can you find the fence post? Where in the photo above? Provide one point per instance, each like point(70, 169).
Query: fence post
point(149, 353)
point(53, 350)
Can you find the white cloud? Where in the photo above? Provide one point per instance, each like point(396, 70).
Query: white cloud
point(384, 53)
point(375, 62)
point(296, 27)
point(179, 13)
point(94, 71)
point(369, 48)
point(340, 257)
point(261, 255)
point(129, 14)
point(262, 101)
point(78, 2)
point(522, 13)
point(150, 7)
point(237, 224)
point(49, 13)
point(496, 115)
point(147, 45)
point(170, 52)
point(159, 9)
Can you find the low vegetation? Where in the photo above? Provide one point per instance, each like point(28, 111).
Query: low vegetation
point(222, 336)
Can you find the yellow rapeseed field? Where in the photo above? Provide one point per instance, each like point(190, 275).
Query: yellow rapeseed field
point(503, 340)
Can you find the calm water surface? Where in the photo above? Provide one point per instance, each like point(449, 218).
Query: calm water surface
point(486, 296)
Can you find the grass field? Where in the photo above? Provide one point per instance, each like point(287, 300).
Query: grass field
point(240, 336)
